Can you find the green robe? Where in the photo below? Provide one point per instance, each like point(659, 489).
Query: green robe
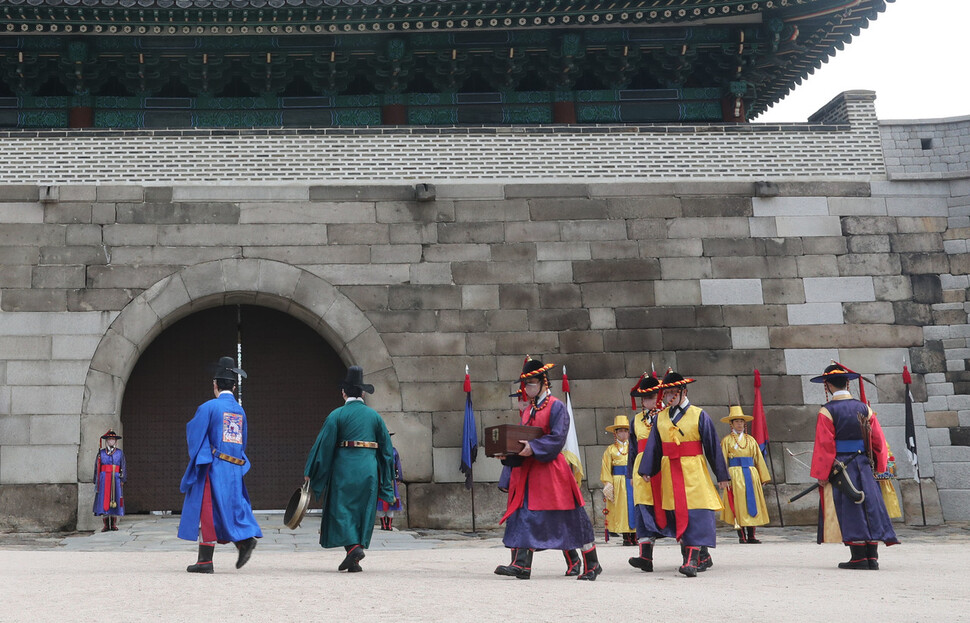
point(351, 479)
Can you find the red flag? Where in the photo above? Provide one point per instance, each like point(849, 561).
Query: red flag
point(759, 426)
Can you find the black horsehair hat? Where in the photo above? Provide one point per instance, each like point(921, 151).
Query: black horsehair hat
point(226, 369)
point(648, 386)
point(673, 380)
point(835, 371)
point(355, 380)
point(534, 367)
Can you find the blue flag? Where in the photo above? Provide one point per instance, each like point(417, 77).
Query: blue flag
point(469, 436)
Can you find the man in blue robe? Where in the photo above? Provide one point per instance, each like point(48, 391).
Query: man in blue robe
point(216, 502)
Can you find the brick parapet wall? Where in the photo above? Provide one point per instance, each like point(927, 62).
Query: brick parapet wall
point(606, 278)
point(844, 145)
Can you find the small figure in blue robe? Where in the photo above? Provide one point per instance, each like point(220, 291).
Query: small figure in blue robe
point(110, 472)
point(216, 501)
point(385, 510)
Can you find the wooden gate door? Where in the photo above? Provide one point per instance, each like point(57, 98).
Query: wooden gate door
point(291, 387)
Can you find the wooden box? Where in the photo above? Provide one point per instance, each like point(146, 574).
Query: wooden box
point(504, 438)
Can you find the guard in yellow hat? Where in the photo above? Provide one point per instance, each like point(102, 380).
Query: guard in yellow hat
point(617, 487)
point(743, 499)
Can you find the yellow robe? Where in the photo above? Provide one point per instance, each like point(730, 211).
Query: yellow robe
point(617, 517)
point(748, 447)
point(701, 492)
point(642, 493)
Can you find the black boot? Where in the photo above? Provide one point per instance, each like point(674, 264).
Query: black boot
point(114, 523)
point(691, 560)
point(751, 538)
point(704, 561)
point(204, 564)
point(741, 537)
point(629, 538)
point(390, 524)
point(572, 562)
point(383, 523)
point(644, 562)
point(859, 558)
point(106, 525)
point(591, 565)
point(245, 548)
point(351, 562)
point(872, 552)
point(521, 566)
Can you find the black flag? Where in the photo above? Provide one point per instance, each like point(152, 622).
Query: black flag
point(910, 425)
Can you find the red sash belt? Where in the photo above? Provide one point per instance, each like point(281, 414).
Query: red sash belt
point(641, 445)
point(674, 452)
point(110, 468)
point(109, 495)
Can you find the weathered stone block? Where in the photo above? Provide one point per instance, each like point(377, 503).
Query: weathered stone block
point(644, 207)
point(942, 419)
point(57, 277)
point(469, 233)
point(921, 499)
point(396, 254)
point(783, 291)
point(447, 506)
point(558, 319)
point(412, 438)
point(731, 292)
point(683, 292)
point(411, 344)
point(38, 507)
point(840, 289)
point(916, 225)
point(428, 273)
point(68, 212)
point(523, 252)
point(789, 206)
point(869, 244)
point(916, 243)
point(868, 264)
point(424, 297)
point(859, 336)
point(354, 193)
point(414, 233)
point(815, 313)
point(930, 358)
point(685, 268)
point(506, 319)
point(440, 211)
point(807, 226)
point(857, 206)
point(624, 340)
point(568, 209)
point(809, 361)
point(15, 276)
point(745, 338)
point(594, 230)
point(650, 317)
point(910, 313)
point(624, 270)
point(34, 300)
point(868, 225)
point(593, 365)
point(30, 234)
point(832, 245)
point(456, 252)
point(671, 248)
point(783, 246)
point(717, 206)
point(502, 211)
point(917, 206)
point(491, 272)
point(714, 227)
point(730, 362)
point(753, 267)
point(921, 263)
point(358, 233)
point(892, 288)
point(878, 361)
point(518, 296)
point(743, 247)
point(823, 189)
point(560, 295)
point(19, 193)
point(545, 251)
point(109, 194)
point(186, 213)
point(868, 313)
point(614, 250)
point(513, 191)
point(580, 342)
point(38, 464)
point(618, 294)
point(479, 297)
point(696, 339)
point(33, 372)
point(763, 227)
point(532, 231)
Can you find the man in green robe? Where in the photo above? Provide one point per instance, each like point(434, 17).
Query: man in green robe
point(351, 464)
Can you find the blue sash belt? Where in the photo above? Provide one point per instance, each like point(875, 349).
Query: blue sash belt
point(849, 445)
point(745, 462)
point(619, 470)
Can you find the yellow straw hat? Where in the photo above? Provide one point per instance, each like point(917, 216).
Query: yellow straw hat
point(619, 421)
point(736, 414)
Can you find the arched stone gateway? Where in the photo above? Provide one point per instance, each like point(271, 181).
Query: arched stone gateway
point(293, 291)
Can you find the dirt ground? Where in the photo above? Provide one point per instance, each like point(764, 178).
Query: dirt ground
point(445, 577)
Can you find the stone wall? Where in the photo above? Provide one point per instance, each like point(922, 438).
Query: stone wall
point(927, 148)
point(607, 279)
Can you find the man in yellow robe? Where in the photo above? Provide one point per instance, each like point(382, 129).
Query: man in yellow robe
point(617, 488)
point(744, 499)
point(681, 445)
point(647, 390)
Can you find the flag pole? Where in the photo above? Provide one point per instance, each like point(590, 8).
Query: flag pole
point(471, 473)
point(771, 467)
point(919, 478)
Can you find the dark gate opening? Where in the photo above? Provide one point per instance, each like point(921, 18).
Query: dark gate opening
point(291, 387)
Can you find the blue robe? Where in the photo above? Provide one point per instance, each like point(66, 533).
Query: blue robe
point(219, 425)
point(102, 480)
